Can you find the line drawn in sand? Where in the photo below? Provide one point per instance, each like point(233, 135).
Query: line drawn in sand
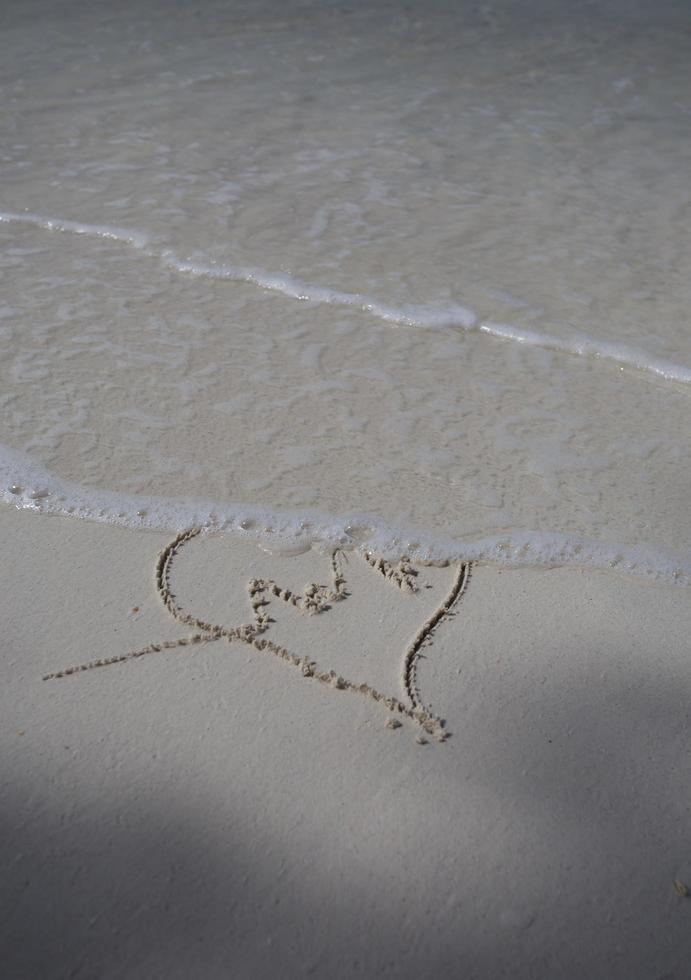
point(315, 599)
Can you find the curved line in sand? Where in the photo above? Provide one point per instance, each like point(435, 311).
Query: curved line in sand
point(413, 654)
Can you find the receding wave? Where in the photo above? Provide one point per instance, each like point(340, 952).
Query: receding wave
point(427, 315)
point(28, 485)
point(138, 240)
point(584, 346)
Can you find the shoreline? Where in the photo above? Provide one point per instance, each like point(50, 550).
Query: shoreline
point(28, 485)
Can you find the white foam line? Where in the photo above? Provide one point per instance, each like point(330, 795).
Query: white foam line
point(137, 239)
point(452, 315)
point(411, 316)
point(28, 485)
point(428, 315)
point(584, 346)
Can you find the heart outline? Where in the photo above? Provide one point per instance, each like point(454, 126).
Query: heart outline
point(316, 599)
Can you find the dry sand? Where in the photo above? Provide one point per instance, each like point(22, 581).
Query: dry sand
point(210, 811)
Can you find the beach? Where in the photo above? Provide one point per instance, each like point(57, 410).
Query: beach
point(345, 461)
point(209, 810)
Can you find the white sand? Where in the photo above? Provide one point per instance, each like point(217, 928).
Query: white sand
point(208, 812)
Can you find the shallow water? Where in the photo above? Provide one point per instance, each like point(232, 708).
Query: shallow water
point(415, 278)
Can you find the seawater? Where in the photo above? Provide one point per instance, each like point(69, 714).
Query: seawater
point(409, 279)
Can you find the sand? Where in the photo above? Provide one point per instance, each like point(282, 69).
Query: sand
point(211, 810)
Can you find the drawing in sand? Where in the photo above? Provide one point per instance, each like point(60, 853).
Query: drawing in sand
point(315, 599)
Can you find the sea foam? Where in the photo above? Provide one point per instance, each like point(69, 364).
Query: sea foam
point(430, 315)
point(28, 485)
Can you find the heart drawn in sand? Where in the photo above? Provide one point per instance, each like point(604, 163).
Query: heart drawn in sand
point(315, 599)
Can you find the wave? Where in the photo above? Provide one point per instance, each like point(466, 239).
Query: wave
point(583, 346)
point(28, 485)
point(428, 315)
point(138, 240)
